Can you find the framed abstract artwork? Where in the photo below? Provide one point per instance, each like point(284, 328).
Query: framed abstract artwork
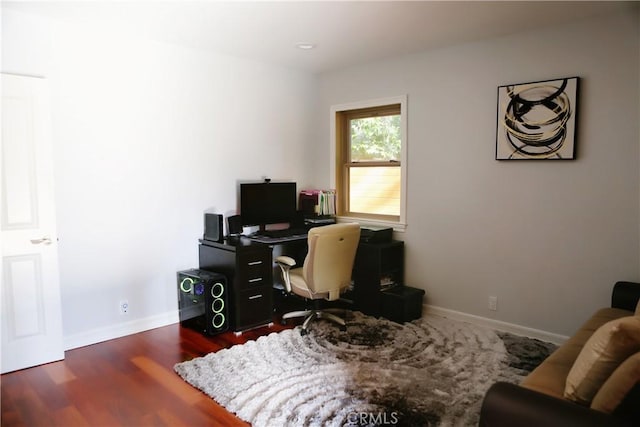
point(537, 121)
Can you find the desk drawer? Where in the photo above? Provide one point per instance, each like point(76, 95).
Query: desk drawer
point(253, 270)
point(254, 307)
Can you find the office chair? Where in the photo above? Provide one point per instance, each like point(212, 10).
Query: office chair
point(326, 271)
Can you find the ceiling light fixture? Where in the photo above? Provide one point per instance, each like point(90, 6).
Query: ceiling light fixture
point(305, 46)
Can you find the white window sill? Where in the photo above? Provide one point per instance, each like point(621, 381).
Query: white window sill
point(397, 227)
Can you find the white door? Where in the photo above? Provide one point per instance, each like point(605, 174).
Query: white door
point(31, 308)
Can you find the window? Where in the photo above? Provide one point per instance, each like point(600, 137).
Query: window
point(370, 147)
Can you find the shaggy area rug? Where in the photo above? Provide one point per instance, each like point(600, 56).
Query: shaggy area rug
point(432, 371)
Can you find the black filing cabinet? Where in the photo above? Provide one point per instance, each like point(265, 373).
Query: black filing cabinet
point(248, 268)
point(376, 266)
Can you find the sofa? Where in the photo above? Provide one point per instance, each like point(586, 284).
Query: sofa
point(593, 379)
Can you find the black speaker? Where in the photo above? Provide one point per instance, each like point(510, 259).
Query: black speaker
point(213, 227)
point(234, 225)
point(202, 300)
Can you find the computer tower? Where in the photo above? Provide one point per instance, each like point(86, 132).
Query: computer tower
point(203, 301)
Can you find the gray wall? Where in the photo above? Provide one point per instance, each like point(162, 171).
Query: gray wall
point(547, 238)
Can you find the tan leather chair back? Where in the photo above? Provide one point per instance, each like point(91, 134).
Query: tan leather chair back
point(332, 250)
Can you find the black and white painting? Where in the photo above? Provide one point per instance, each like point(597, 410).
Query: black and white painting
point(537, 120)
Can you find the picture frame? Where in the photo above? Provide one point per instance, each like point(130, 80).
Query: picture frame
point(537, 120)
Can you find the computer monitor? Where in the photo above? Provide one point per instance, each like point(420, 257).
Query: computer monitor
point(266, 203)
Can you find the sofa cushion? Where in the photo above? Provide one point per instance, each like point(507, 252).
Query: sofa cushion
point(550, 376)
point(603, 352)
point(616, 387)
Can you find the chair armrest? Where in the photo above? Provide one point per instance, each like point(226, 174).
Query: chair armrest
point(508, 405)
point(283, 259)
point(625, 295)
point(285, 263)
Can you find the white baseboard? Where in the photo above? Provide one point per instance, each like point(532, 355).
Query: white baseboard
point(496, 324)
point(120, 330)
point(140, 325)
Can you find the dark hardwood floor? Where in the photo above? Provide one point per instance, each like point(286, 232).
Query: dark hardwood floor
point(127, 381)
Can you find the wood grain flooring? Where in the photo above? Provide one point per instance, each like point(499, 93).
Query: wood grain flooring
point(127, 381)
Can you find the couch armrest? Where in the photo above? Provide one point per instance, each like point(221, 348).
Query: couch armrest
point(510, 405)
point(625, 295)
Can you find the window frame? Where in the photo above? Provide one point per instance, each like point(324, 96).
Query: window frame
point(339, 160)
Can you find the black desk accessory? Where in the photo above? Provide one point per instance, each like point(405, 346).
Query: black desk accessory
point(213, 227)
point(371, 234)
point(234, 225)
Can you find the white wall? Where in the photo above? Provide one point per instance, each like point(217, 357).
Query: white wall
point(147, 137)
point(547, 238)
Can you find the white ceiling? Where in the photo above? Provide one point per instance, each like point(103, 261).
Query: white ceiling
point(345, 33)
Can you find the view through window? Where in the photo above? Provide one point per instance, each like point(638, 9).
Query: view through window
point(369, 162)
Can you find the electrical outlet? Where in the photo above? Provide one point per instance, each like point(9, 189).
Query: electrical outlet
point(124, 306)
point(493, 303)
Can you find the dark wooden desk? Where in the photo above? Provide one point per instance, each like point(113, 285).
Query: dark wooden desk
point(247, 267)
point(251, 274)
